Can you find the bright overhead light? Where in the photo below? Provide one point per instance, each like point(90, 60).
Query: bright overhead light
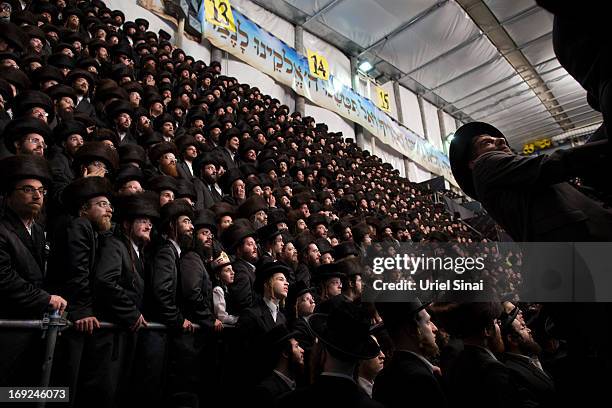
point(365, 66)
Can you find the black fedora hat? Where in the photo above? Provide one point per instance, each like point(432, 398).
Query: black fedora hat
point(461, 150)
point(327, 271)
point(345, 330)
point(268, 232)
point(233, 236)
point(175, 209)
point(82, 189)
point(15, 168)
point(298, 289)
point(398, 308)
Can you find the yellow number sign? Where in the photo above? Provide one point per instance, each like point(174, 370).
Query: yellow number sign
point(219, 13)
point(318, 65)
point(383, 99)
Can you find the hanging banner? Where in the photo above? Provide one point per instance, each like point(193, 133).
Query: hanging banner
point(383, 99)
point(270, 55)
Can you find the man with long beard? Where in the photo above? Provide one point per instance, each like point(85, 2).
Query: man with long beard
point(82, 83)
point(71, 267)
point(409, 374)
point(163, 301)
point(205, 171)
point(24, 182)
point(163, 157)
point(64, 100)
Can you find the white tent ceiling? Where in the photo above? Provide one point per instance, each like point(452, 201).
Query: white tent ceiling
point(436, 49)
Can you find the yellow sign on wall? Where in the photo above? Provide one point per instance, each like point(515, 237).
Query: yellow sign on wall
point(318, 65)
point(219, 13)
point(382, 101)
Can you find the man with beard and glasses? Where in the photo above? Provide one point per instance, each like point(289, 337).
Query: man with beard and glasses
point(240, 241)
point(205, 171)
point(82, 83)
point(70, 273)
point(163, 158)
point(22, 267)
point(118, 298)
point(409, 373)
point(163, 302)
point(521, 357)
point(27, 136)
point(285, 358)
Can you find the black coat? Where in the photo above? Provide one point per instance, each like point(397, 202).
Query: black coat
point(206, 195)
point(86, 107)
point(63, 174)
point(21, 269)
point(538, 384)
point(269, 390)
point(183, 171)
point(302, 273)
point(330, 392)
point(71, 264)
point(406, 374)
point(529, 198)
point(162, 285)
point(476, 379)
point(118, 284)
point(257, 320)
point(196, 290)
point(227, 158)
point(241, 291)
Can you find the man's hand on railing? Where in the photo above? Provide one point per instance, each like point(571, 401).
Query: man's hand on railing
point(87, 324)
point(141, 322)
point(188, 326)
point(218, 325)
point(58, 303)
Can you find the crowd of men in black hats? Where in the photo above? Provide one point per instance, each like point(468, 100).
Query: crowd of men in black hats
point(141, 185)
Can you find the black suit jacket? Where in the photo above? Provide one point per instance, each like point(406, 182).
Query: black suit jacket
point(183, 171)
point(330, 392)
point(478, 380)
point(71, 264)
point(538, 384)
point(162, 284)
point(241, 291)
point(406, 374)
point(257, 320)
point(63, 174)
point(118, 282)
point(21, 269)
point(206, 196)
point(195, 290)
point(529, 198)
point(227, 158)
point(86, 107)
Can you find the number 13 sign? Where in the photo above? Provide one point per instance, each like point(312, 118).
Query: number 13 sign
point(219, 12)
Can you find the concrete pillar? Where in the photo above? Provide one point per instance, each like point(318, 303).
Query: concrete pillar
point(359, 138)
point(422, 111)
point(407, 167)
point(300, 101)
point(442, 129)
point(398, 102)
point(372, 143)
point(180, 33)
point(216, 54)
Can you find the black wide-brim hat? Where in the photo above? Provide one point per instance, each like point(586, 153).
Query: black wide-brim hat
point(68, 128)
point(15, 168)
point(138, 205)
point(83, 189)
point(160, 149)
point(131, 152)
point(345, 330)
point(162, 182)
point(265, 269)
point(252, 205)
point(19, 127)
point(24, 101)
point(233, 236)
point(91, 151)
point(268, 232)
point(298, 289)
point(461, 150)
point(397, 308)
point(205, 219)
point(174, 209)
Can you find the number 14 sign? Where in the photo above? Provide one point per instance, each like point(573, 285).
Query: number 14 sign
point(318, 65)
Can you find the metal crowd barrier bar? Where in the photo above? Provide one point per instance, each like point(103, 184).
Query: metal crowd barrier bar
point(51, 325)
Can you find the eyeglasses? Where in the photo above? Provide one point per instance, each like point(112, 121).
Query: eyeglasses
point(37, 142)
point(30, 190)
point(104, 204)
point(99, 164)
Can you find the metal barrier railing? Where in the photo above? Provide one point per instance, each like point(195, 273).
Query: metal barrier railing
point(51, 325)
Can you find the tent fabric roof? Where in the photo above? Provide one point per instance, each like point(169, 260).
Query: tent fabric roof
point(436, 49)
